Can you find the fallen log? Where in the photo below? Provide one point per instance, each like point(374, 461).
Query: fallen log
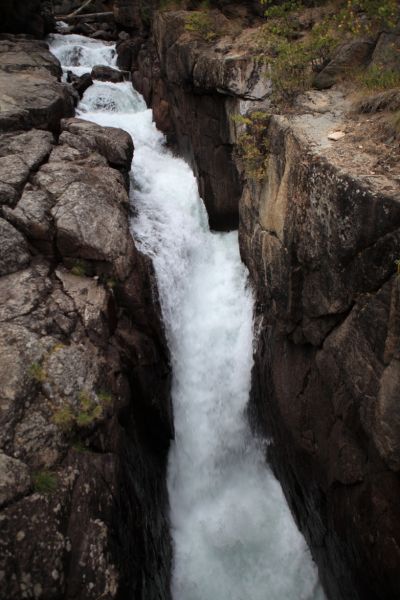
point(100, 15)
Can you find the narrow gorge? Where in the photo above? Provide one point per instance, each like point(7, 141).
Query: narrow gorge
point(199, 302)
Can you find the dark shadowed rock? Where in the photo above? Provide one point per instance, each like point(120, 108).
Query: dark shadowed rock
point(79, 83)
point(104, 73)
point(85, 413)
point(321, 245)
point(27, 16)
point(349, 57)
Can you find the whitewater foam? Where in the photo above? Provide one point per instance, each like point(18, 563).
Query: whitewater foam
point(234, 537)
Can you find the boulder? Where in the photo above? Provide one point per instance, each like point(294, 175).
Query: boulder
point(79, 83)
point(114, 144)
point(348, 57)
point(14, 254)
point(30, 94)
point(387, 51)
point(104, 73)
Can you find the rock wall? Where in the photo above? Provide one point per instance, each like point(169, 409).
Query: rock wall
point(321, 245)
point(34, 17)
point(194, 88)
point(84, 368)
point(320, 236)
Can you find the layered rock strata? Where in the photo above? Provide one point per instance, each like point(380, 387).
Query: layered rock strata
point(84, 368)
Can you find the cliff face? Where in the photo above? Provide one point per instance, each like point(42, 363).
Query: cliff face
point(319, 233)
point(84, 368)
point(195, 87)
point(321, 244)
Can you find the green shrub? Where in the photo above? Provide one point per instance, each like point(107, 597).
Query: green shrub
point(45, 482)
point(366, 16)
point(104, 397)
point(79, 268)
point(37, 371)
point(64, 417)
point(252, 143)
point(166, 5)
point(294, 56)
point(88, 411)
point(377, 78)
point(201, 23)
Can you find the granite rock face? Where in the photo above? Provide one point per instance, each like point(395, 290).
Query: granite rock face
point(194, 87)
point(31, 94)
point(85, 409)
point(321, 245)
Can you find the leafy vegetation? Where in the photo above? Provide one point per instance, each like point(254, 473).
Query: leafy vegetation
point(45, 482)
point(376, 78)
point(79, 268)
point(201, 23)
point(89, 408)
point(295, 55)
point(38, 373)
point(252, 144)
point(64, 417)
point(366, 16)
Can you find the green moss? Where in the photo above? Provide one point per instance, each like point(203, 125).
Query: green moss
point(64, 418)
point(45, 482)
point(252, 143)
point(87, 413)
point(37, 371)
point(79, 268)
point(105, 398)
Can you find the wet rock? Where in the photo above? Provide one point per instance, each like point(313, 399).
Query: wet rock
point(103, 73)
point(79, 83)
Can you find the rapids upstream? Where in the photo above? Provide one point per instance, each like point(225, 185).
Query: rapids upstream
point(233, 535)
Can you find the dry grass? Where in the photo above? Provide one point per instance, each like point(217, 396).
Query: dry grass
point(383, 101)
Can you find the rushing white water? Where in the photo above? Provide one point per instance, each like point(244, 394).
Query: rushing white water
point(234, 537)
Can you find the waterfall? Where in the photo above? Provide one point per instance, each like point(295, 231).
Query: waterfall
point(233, 535)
